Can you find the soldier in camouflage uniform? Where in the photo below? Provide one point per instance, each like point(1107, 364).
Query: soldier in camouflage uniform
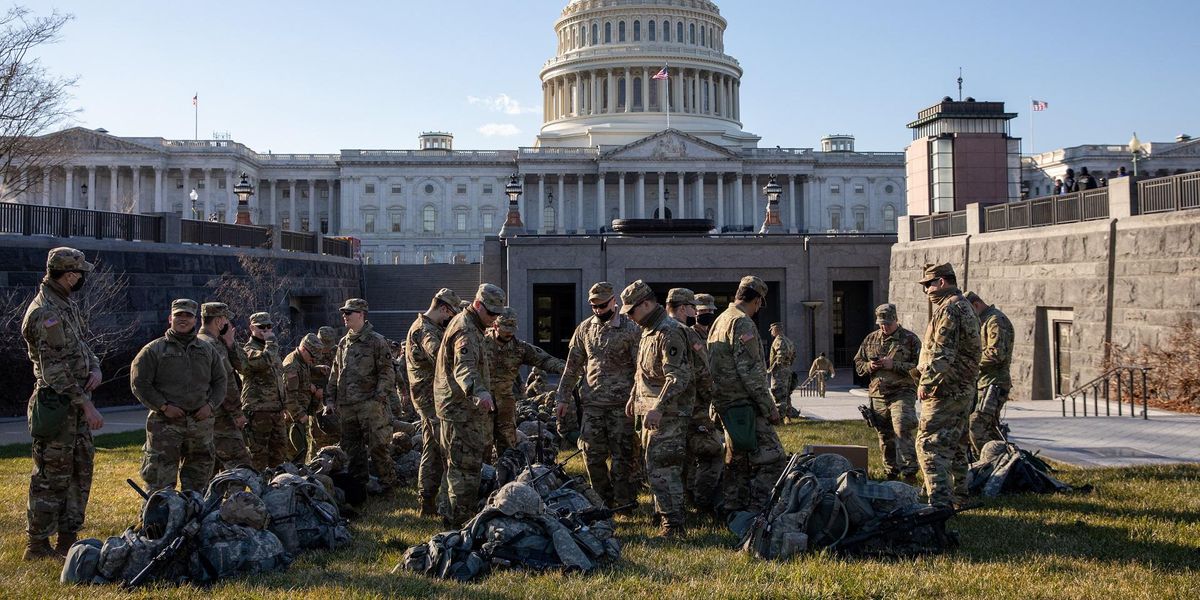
point(706, 445)
point(740, 376)
point(228, 419)
point(323, 429)
point(949, 365)
point(821, 369)
point(264, 397)
point(462, 398)
point(506, 355)
point(996, 337)
point(662, 398)
point(181, 379)
point(779, 367)
point(302, 393)
point(66, 371)
point(358, 387)
point(420, 351)
point(404, 409)
point(887, 356)
point(603, 352)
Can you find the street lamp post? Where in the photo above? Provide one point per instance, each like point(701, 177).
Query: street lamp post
point(1136, 149)
point(550, 203)
point(772, 224)
point(513, 225)
point(194, 197)
point(243, 190)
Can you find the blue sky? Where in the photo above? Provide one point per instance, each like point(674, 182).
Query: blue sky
point(307, 76)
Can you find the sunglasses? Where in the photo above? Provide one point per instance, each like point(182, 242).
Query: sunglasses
point(263, 326)
point(350, 312)
point(927, 284)
point(490, 313)
point(600, 306)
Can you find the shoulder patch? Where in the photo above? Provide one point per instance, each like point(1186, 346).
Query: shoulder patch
point(697, 346)
point(746, 337)
point(50, 322)
point(673, 351)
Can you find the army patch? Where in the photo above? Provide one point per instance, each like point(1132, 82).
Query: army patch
point(746, 337)
point(697, 346)
point(673, 351)
point(51, 322)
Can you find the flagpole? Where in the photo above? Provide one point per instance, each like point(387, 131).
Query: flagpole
point(1031, 138)
point(667, 66)
point(196, 112)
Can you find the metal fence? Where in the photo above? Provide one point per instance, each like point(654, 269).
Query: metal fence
point(1084, 205)
point(941, 225)
point(1165, 194)
point(297, 241)
point(31, 219)
point(338, 247)
point(224, 234)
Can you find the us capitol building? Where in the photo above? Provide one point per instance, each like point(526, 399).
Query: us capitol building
point(604, 152)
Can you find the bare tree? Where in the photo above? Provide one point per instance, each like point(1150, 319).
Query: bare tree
point(32, 102)
point(260, 288)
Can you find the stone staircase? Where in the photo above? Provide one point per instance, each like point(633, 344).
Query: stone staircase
point(397, 293)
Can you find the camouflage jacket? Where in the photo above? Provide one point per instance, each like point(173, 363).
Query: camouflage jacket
point(506, 359)
point(821, 364)
point(604, 355)
point(701, 375)
point(362, 369)
point(262, 383)
point(53, 331)
point(420, 353)
point(183, 371)
point(783, 355)
point(297, 377)
point(739, 372)
point(996, 337)
point(949, 360)
point(234, 361)
point(462, 370)
point(663, 380)
point(904, 347)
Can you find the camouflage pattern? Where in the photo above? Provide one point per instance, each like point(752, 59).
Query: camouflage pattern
point(949, 365)
point(462, 373)
point(663, 383)
point(229, 446)
point(740, 378)
point(705, 447)
point(420, 352)
point(823, 366)
point(264, 399)
point(54, 336)
point(358, 387)
point(893, 396)
point(603, 354)
point(185, 372)
point(506, 359)
point(996, 338)
point(783, 356)
point(301, 394)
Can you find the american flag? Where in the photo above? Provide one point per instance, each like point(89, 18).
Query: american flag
point(1040, 105)
point(195, 98)
point(662, 74)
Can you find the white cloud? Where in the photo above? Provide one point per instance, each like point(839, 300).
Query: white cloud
point(501, 103)
point(498, 129)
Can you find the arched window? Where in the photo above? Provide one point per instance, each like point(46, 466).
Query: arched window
point(649, 30)
point(637, 31)
point(679, 32)
point(621, 31)
point(428, 219)
point(621, 99)
point(712, 38)
point(582, 35)
point(637, 93)
point(595, 34)
point(692, 33)
point(608, 33)
point(702, 42)
point(666, 31)
point(889, 218)
point(653, 96)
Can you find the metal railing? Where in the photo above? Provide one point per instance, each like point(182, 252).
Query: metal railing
point(813, 386)
point(927, 227)
point(1075, 207)
point(298, 241)
point(31, 219)
point(337, 247)
point(224, 234)
point(1123, 379)
point(1165, 194)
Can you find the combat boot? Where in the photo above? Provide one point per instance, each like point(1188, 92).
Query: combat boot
point(672, 527)
point(429, 506)
point(65, 541)
point(37, 549)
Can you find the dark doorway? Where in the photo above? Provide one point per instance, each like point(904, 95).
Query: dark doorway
point(852, 319)
point(554, 317)
point(1062, 357)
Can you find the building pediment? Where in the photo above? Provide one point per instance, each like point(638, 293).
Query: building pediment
point(669, 144)
point(80, 140)
point(1183, 149)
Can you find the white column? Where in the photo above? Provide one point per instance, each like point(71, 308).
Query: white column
point(720, 201)
point(579, 203)
point(600, 202)
point(628, 91)
point(159, 201)
point(755, 190)
point(681, 197)
point(187, 194)
point(45, 187)
point(293, 192)
point(645, 89)
point(641, 196)
point(136, 171)
point(662, 204)
point(69, 186)
point(559, 217)
point(791, 203)
point(537, 216)
point(208, 194)
point(270, 215)
point(230, 199)
point(113, 173)
point(738, 206)
point(621, 195)
point(698, 195)
point(329, 204)
point(612, 91)
point(313, 225)
point(91, 183)
point(697, 101)
point(592, 96)
point(381, 184)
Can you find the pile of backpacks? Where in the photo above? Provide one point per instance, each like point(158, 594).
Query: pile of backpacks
point(1004, 468)
point(245, 523)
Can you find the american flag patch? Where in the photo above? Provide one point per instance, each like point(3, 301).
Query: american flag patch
point(51, 322)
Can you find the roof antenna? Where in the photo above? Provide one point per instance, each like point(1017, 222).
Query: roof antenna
point(960, 84)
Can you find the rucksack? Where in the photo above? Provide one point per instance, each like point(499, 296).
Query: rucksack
point(303, 514)
point(806, 514)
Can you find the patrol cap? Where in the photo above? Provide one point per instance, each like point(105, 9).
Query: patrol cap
point(754, 283)
point(261, 318)
point(214, 309)
point(463, 304)
point(354, 305)
point(67, 259)
point(973, 297)
point(634, 293)
point(706, 302)
point(451, 299)
point(600, 292)
point(311, 342)
point(328, 336)
point(933, 271)
point(184, 305)
point(492, 298)
point(681, 296)
point(508, 319)
point(778, 324)
point(885, 313)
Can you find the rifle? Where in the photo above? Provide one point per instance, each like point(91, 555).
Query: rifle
point(181, 545)
point(760, 520)
point(591, 515)
point(557, 467)
point(930, 515)
point(137, 488)
point(869, 416)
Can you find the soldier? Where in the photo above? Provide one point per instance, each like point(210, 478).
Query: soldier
point(887, 356)
point(996, 338)
point(358, 387)
point(783, 355)
point(66, 371)
point(264, 397)
point(406, 411)
point(821, 370)
point(462, 398)
point(602, 352)
point(506, 355)
point(948, 365)
point(229, 446)
point(181, 379)
point(421, 350)
point(706, 445)
point(323, 429)
point(753, 452)
point(302, 393)
point(662, 397)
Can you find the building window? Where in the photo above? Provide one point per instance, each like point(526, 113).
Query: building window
point(179, 184)
point(888, 189)
point(488, 219)
point(608, 33)
point(548, 219)
point(637, 92)
point(835, 189)
point(858, 188)
point(595, 34)
point(428, 219)
point(369, 222)
point(460, 258)
point(835, 219)
point(324, 225)
point(649, 30)
point(285, 194)
point(429, 188)
point(621, 31)
point(397, 220)
point(369, 188)
point(637, 31)
point(286, 222)
point(679, 32)
point(692, 33)
point(220, 184)
point(666, 31)
point(941, 166)
point(860, 220)
point(304, 224)
point(487, 188)
point(200, 185)
point(889, 218)
point(397, 189)
point(461, 189)
point(460, 221)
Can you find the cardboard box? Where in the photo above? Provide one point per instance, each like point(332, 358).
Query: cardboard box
point(857, 455)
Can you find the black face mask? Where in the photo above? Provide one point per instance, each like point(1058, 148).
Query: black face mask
point(707, 319)
point(689, 321)
point(224, 329)
point(79, 284)
point(605, 316)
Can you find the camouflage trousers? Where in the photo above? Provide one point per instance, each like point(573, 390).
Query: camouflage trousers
point(464, 443)
point(180, 448)
point(665, 452)
point(897, 417)
point(61, 479)
point(433, 460)
point(750, 476)
point(609, 451)
point(704, 463)
point(940, 447)
point(504, 430)
point(363, 443)
point(229, 446)
point(984, 424)
point(781, 390)
point(267, 439)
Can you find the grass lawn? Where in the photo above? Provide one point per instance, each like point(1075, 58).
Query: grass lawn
point(1135, 536)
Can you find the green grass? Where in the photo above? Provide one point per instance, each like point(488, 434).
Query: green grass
point(1135, 536)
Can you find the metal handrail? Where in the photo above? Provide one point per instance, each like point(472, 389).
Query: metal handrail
point(1101, 384)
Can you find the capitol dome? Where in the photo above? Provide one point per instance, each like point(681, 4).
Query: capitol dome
point(599, 89)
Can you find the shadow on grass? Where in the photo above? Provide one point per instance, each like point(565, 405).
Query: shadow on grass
point(108, 441)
